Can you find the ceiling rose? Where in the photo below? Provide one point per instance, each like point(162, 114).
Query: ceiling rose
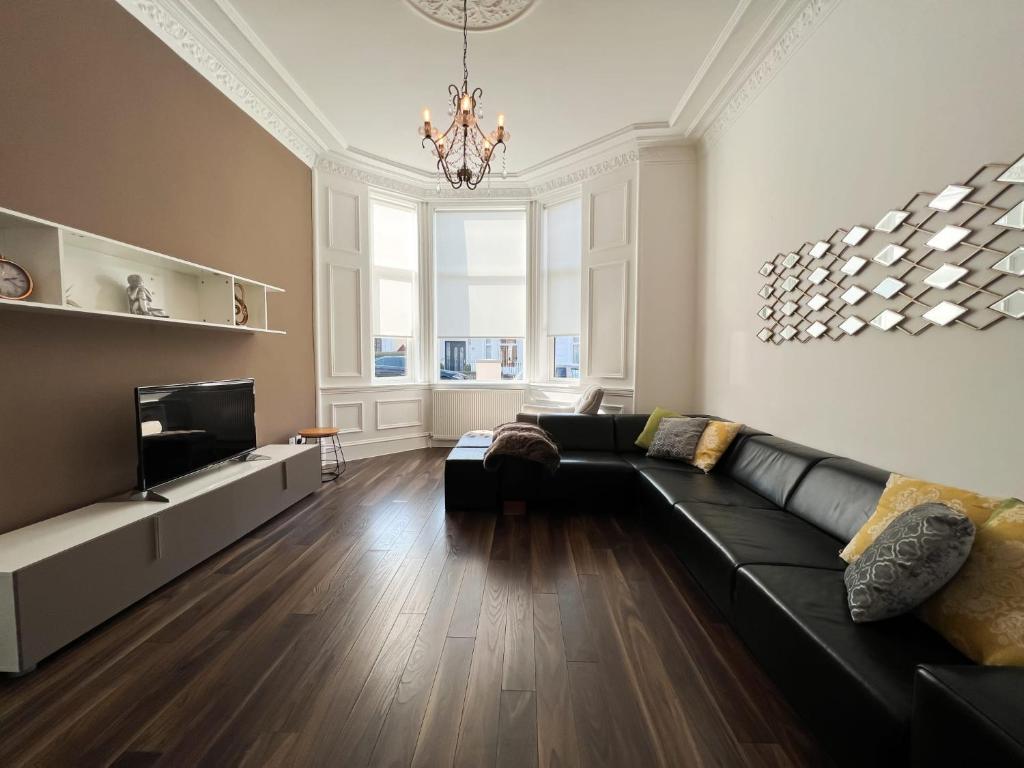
point(483, 14)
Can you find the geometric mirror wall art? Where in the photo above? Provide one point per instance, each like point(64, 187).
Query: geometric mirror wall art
point(949, 258)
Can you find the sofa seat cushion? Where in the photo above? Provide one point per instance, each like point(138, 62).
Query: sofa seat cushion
point(587, 474)
point(713, 541)
point(852, 684)
point(770, 466)
point(674, 486)
point(968, 715)
point(641, 462)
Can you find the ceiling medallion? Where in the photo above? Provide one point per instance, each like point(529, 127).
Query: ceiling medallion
point(463, 150)
point(485, 14)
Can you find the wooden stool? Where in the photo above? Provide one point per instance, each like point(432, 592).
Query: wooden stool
point(332, 468)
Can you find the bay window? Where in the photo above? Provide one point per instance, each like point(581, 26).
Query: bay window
point(481, 291)
point(561, 257)
point(394, 258)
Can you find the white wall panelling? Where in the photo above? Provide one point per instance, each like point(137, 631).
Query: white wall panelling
point(396, 414)
point(347, 417)
point(344, 223)
point(608, 298)
point(608, 287)
point(344, 302)
point(609, 217)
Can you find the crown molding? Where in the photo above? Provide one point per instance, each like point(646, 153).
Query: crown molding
point(180, 27)
point(808, 18)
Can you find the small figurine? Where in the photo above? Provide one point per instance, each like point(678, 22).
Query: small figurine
point(140, 299)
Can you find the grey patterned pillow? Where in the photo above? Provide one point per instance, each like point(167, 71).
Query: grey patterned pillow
point(912, 559)
point(677, 438)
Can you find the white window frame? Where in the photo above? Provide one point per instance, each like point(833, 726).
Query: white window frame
point(433, 340)
point(413, 352)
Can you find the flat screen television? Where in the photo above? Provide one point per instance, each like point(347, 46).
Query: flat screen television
point(184, 428)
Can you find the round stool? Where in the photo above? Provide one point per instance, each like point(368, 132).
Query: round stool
point(332, 457)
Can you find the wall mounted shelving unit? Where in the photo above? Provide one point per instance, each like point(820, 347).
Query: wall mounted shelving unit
point(78, 273)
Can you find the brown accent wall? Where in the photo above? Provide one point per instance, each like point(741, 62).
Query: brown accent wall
point(104, 128)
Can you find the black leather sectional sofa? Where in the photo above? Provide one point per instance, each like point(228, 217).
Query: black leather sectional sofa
point(761, 535)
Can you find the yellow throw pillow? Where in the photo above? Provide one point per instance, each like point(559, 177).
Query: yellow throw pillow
point(651, 428)
point(902, 493)
point(717, 437)
point(981, 611)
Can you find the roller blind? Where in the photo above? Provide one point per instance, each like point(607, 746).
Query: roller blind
point(563, 253)
point(481, 273)
point(395, 255)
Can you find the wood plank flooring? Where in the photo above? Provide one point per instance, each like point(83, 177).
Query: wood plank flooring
point(368, 627)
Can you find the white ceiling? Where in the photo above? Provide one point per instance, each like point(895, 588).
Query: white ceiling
point(565, 73)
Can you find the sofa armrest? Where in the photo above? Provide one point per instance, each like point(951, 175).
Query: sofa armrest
point(968, 715)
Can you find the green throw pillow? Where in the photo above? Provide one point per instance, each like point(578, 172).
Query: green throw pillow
point(651, 429)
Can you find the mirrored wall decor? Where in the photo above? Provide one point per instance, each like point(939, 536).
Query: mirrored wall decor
point(945, 276)
point(853, 266)
point(1014, 218)
point(948, 258)
point(890, 254)
point(889, 287)
point(1012, 264)
point(855, 235)
point(948, 237)
point(944, 313)
point(854, 294)
point(950, 198)
point(1014, 174)
point(891, 220)
point(817, 301)
point(1012, 305)
point(851, 325)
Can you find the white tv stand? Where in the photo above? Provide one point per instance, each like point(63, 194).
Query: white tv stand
point(61, 577)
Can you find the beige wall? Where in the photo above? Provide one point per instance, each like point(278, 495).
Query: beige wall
point(105, 129)
point(885, 99)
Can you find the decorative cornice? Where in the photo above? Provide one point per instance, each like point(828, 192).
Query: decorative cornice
point(808, 19)
point(252, 99)
point(383, 180)
point(589, 171)
point(482, 14)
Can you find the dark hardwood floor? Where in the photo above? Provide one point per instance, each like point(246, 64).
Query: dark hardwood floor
point(365, 626)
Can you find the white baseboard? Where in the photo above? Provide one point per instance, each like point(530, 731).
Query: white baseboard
point(382, 446)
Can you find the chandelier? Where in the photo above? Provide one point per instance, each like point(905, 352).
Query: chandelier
point(463, 150)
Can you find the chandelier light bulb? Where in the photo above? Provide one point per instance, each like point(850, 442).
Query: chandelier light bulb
point(426, 116)
point(501, 120)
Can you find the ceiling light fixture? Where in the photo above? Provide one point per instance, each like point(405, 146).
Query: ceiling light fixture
point(464, 151)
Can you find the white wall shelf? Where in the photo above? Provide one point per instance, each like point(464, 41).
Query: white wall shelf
point(78, 273)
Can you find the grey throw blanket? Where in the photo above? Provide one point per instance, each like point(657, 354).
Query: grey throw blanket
point(524, 441)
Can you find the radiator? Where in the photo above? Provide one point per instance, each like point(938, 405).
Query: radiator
point(458, 411)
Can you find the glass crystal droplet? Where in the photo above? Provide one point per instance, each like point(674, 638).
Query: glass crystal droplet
point(451, 110)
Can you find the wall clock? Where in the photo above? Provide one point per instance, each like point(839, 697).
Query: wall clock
point(15, 282)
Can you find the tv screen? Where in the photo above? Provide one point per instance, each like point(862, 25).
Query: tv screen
point(183, 428)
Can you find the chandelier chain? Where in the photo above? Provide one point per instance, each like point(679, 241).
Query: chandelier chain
point(465, 44)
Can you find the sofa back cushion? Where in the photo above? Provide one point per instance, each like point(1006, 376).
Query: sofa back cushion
point(838, 495)
point(628, 427)
point(770, 466)
point(575, 432)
